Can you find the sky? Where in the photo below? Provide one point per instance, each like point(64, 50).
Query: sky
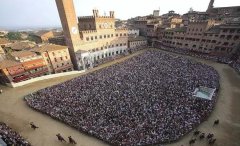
point(43, 13)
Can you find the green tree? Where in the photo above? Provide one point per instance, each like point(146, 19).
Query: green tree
point(14, 36)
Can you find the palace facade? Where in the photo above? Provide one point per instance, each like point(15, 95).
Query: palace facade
point(90, 38)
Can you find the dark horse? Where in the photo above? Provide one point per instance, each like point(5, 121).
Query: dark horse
point(71, 140)
point(60, 138)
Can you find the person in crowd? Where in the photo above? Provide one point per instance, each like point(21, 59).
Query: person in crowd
point(216, 122)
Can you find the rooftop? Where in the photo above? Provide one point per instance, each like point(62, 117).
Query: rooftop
point(42, 32)
point(139, 38)
point(18, 46)
point(214, 29)
point(181, 29)
point(1, 50)
point(4, 41)
point(48, 47)
point(8, 63)
point(22, 54)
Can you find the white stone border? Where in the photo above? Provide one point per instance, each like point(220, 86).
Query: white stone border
point(14, 85)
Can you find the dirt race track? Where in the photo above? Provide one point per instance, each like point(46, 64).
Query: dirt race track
point(15, 112)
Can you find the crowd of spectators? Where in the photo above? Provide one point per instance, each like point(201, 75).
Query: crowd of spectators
point(220, 59)
point(145, 100)
point(10, 137)
point(236, 66)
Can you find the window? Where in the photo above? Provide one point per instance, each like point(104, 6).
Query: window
point(100, 36)
point(62, 64)
point(53, 53)
point(92, 38)
point(61, 58)
point(87, 38)
point(116, 35)
point(236, 37)
point(232, 30)
point(66, 57)
point(225, 30)
point(111, 35)
point(55, 59)
point(108, 36)
point(104, 36)
point(95, 37)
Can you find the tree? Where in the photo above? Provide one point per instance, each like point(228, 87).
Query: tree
point(14, 36)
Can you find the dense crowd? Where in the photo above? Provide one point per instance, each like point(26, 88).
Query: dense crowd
point(144, 100)
point(236, 65)
point(221, 59)
point(10, 137)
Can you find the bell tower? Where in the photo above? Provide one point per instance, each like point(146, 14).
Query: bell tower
point(70, 28)
point(210, 6)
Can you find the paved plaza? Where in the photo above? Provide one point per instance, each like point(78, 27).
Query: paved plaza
point(15, 112)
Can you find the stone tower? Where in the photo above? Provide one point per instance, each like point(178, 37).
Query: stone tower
point(210, 6)
point(70, 29)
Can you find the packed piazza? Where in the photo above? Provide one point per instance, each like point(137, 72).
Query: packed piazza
point(231, 60)
point(10, 137)
point(145, 100)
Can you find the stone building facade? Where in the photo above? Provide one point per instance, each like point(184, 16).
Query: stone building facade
point(2, 54)
point(90, 38)
point(221, 13)
point(21, 66)
point(136, 42)
point(203, 36)
point(42, 36)
point(56, 57)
